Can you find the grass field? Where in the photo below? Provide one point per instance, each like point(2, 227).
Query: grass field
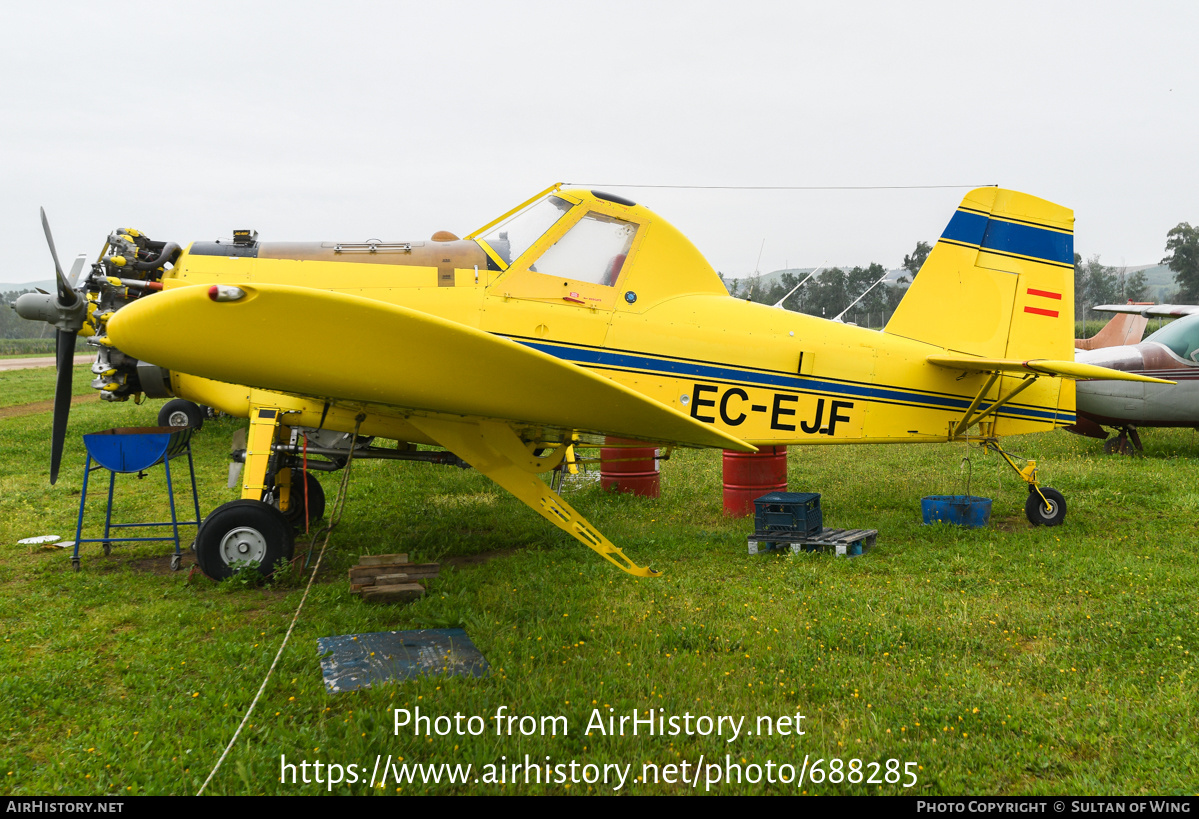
point(24, 347)
point(1005, 660)
point(18, 387)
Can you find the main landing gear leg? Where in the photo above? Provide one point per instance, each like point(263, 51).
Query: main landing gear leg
point(493, 448)
point(248, 532)
point(1045, 506)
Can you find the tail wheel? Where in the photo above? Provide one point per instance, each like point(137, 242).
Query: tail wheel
point(243, 532)
point(1048, 512)
point(179, 412)
point(295, 513)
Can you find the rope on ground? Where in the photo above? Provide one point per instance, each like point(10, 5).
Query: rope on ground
point(338, 505)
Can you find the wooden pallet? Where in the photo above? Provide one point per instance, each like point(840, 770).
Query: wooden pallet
point(847, 542)
point(390, 578)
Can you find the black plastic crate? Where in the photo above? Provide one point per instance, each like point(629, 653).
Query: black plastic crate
point(788, 512)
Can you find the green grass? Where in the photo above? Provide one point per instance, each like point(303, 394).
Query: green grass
point(26, 347)
point(37, 384)
point(1005, 660)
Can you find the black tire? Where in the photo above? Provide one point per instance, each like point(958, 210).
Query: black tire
point(243, 530)
point(179, 412)
point(316, 500)
point(1041, 515)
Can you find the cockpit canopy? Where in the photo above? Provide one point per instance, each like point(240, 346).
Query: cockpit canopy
point(592, 250)
point(1181, 337)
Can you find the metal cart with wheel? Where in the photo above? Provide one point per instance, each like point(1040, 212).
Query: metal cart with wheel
point(132, 450)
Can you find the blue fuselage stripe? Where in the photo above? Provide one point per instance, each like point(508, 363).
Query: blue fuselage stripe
point(1010, 238)
point(714, 372)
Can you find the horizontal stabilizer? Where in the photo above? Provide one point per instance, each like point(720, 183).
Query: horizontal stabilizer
point(1150, 311)
point(1072, 370)
point(341, 347)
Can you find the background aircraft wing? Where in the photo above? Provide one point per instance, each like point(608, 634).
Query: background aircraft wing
point(1059, 369)
point(1151, 311)
point(342, 347)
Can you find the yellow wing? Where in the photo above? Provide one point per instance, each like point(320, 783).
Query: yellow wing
point(332, 345)
point(1060, 369)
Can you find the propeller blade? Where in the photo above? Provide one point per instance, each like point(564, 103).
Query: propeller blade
point(73, 276)
point(66, 296)
point(64, 341)
point(238, 444)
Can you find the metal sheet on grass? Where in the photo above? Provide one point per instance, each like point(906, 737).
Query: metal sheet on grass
point(353, 661)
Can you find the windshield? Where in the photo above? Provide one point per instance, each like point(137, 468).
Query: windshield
point(1181, 336)
point(513, 237)
point(594, 250)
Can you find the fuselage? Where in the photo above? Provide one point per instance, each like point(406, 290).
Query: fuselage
point(1168, 354)
point(645, 309)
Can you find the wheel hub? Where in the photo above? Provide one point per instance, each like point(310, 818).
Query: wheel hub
point(243, 544)
point(179, 419)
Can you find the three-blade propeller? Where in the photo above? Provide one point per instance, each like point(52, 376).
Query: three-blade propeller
point(65, 311)
point(64, 354)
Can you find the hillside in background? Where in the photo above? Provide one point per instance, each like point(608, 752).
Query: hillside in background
point(1160, 278)
point(15, 287)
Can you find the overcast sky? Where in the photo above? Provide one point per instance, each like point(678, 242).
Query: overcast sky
point(348, 121)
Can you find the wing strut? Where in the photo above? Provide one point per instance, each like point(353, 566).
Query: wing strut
point(493, 448)
point(971, 417)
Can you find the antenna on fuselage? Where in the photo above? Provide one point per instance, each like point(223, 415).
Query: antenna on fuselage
point(859, 298)
point(779, 303)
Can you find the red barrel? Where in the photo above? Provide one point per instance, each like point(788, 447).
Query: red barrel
point(750, 475)
point(630, 468)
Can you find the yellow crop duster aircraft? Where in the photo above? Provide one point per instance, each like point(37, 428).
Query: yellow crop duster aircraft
point(576, 315)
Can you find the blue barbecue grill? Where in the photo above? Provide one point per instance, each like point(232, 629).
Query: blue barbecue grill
point(133, 450)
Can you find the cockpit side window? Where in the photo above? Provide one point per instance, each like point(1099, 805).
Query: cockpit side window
point(1181, 336)
point(514, 236)
point(594, 250)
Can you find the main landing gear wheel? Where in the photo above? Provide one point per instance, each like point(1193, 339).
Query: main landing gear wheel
point(1128, 442)
point(316, 499)
point(179, 412)
point(243, 532)
point(1048, 512)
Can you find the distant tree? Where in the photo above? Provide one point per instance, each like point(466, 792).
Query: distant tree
point(828, 293)
point(912, 263)
point(1102, 284)
point(12, 325)
point(1094, 283)
point(870, 309)
point(1183, 245)
point(1136, 287)
point(785, 284)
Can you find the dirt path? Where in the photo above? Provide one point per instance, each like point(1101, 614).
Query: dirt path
point(39, 406)
point(31, 363)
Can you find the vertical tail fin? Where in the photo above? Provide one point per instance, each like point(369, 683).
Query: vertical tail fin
point(999, 283)
point(1124, 328)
